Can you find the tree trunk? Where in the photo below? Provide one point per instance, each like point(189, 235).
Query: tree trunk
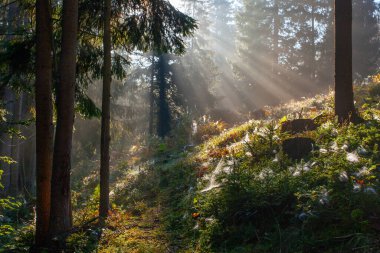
point(151, 98)
point(344, 95)
point(163, 122)
point(44, 118)
point(61, 216)
point(105, 131)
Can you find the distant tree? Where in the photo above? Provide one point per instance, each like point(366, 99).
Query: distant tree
point(44, 118)
point(162, 80)
point(164, 116)
point(256, 68)
point(151, 95)
point(326, 48)
point(61, 213)
point(194, 73)
point(366, 38)
point(305, 41)
point(8, 100)
point(344, 95)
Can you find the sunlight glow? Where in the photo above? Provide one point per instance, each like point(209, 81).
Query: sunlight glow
point(176, 3)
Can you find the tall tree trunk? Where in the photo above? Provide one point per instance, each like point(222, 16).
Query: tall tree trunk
point(61, 215)
point(105, 131)
point(163, 121)
point(44, 118)
point(151, 98)
point(344, 95)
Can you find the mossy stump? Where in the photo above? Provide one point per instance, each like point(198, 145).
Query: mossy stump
point(298, 147)
point(298, 126)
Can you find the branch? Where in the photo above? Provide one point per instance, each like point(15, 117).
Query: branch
point(77, 229)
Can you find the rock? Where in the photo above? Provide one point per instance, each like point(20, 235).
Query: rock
point(298, 147)
point(298, 126)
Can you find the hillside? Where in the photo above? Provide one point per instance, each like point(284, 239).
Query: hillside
point(238, 190)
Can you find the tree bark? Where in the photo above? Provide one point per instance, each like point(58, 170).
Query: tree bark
point(151, 98)
point(61, 215)
point(344, 95)
point(105, 130)
point(164, 119)
point(44, 118)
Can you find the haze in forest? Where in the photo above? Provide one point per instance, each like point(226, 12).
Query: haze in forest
point(208, 126)
point(249, 54)
point(244, 56)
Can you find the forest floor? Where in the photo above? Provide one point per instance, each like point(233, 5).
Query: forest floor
point(232, 193)
point(236, 191)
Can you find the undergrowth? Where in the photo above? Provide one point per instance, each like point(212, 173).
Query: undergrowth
point(235, 190)
point(239, 192)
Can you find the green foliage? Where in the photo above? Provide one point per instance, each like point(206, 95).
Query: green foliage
point(6, 205)
point(7, 159)
point(263, 202)
point(16, 62)
point(86, 107)
point(16, 228)
point(19, 240)
point(273, 204)
point(83, 241)
point(374, 90)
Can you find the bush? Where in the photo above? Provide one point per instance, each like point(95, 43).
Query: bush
point(267, 203)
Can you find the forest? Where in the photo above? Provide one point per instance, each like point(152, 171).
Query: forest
point(190, 126)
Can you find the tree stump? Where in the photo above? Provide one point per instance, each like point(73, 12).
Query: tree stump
point(298, 147)
point(298, 126)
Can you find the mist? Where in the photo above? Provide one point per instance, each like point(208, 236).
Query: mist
point(246, 55)
point(189, 126)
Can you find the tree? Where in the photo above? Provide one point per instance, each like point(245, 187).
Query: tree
point(105, 131)
point(60, 216)
point(151, 96)
point(165, 26)
point(164, 117)
point(344, 94)
point(365, 39)
point(190, 76)
point(257, 24)
point(44, 118)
